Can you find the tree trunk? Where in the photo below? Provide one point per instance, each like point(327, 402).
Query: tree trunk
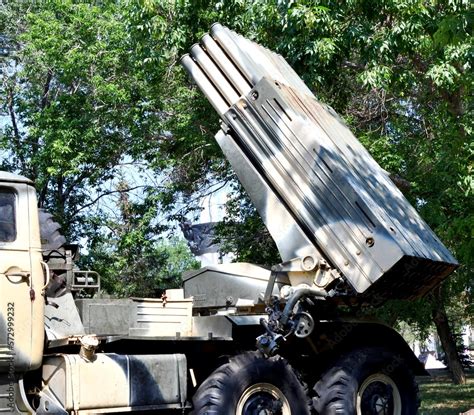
point(447, 340)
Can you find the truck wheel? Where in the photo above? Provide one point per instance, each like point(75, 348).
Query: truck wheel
point(250, 384)
point(51, 237)
point(368, 381)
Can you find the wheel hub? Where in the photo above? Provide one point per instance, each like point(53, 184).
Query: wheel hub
point(377, 399)
point(378, 395)
point(263, 399)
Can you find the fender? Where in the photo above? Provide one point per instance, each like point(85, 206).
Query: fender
point(331, 338)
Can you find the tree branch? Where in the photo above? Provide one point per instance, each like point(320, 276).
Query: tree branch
point(79, 178)
point(108, 193)
point(16, 132)
point(47, 84)
point(42, 194)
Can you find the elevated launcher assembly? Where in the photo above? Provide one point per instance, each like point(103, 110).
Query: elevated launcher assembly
point(341, 225)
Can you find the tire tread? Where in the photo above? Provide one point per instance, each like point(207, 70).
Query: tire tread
point(336, 390)
point(211, 394)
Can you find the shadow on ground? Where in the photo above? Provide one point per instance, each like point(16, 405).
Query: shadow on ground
point(440, 397)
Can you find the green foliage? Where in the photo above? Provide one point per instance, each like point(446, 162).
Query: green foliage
point(84, 87)
point(461, 349)
point(131, 257)
point(248, 239)
point(79, 98)
point(157, 266)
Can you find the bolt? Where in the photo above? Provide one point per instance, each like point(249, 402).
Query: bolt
point(308, 263)
point(264, 341)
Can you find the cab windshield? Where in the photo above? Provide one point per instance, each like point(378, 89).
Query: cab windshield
point(7, 216)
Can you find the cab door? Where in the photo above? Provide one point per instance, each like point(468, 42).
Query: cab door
point(21, 280)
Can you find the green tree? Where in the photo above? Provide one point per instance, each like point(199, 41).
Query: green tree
point(83, 90)
point(79, 100)
point(132, 257)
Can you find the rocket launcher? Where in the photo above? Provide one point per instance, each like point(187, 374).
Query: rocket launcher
point(322, 196)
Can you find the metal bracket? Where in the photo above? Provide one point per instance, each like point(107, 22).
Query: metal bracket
point(307, 270)
point(270, 286)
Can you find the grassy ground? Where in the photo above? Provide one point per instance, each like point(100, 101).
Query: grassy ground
point(440, 397)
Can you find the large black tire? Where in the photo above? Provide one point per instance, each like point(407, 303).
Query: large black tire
point(367, 381)
point(250, 384)
point(52, 242)
point(51, 237)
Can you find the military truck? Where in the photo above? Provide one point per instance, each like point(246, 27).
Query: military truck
point(238, 338)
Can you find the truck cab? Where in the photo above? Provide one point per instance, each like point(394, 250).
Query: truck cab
point(22, 276)
point(22, 282)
